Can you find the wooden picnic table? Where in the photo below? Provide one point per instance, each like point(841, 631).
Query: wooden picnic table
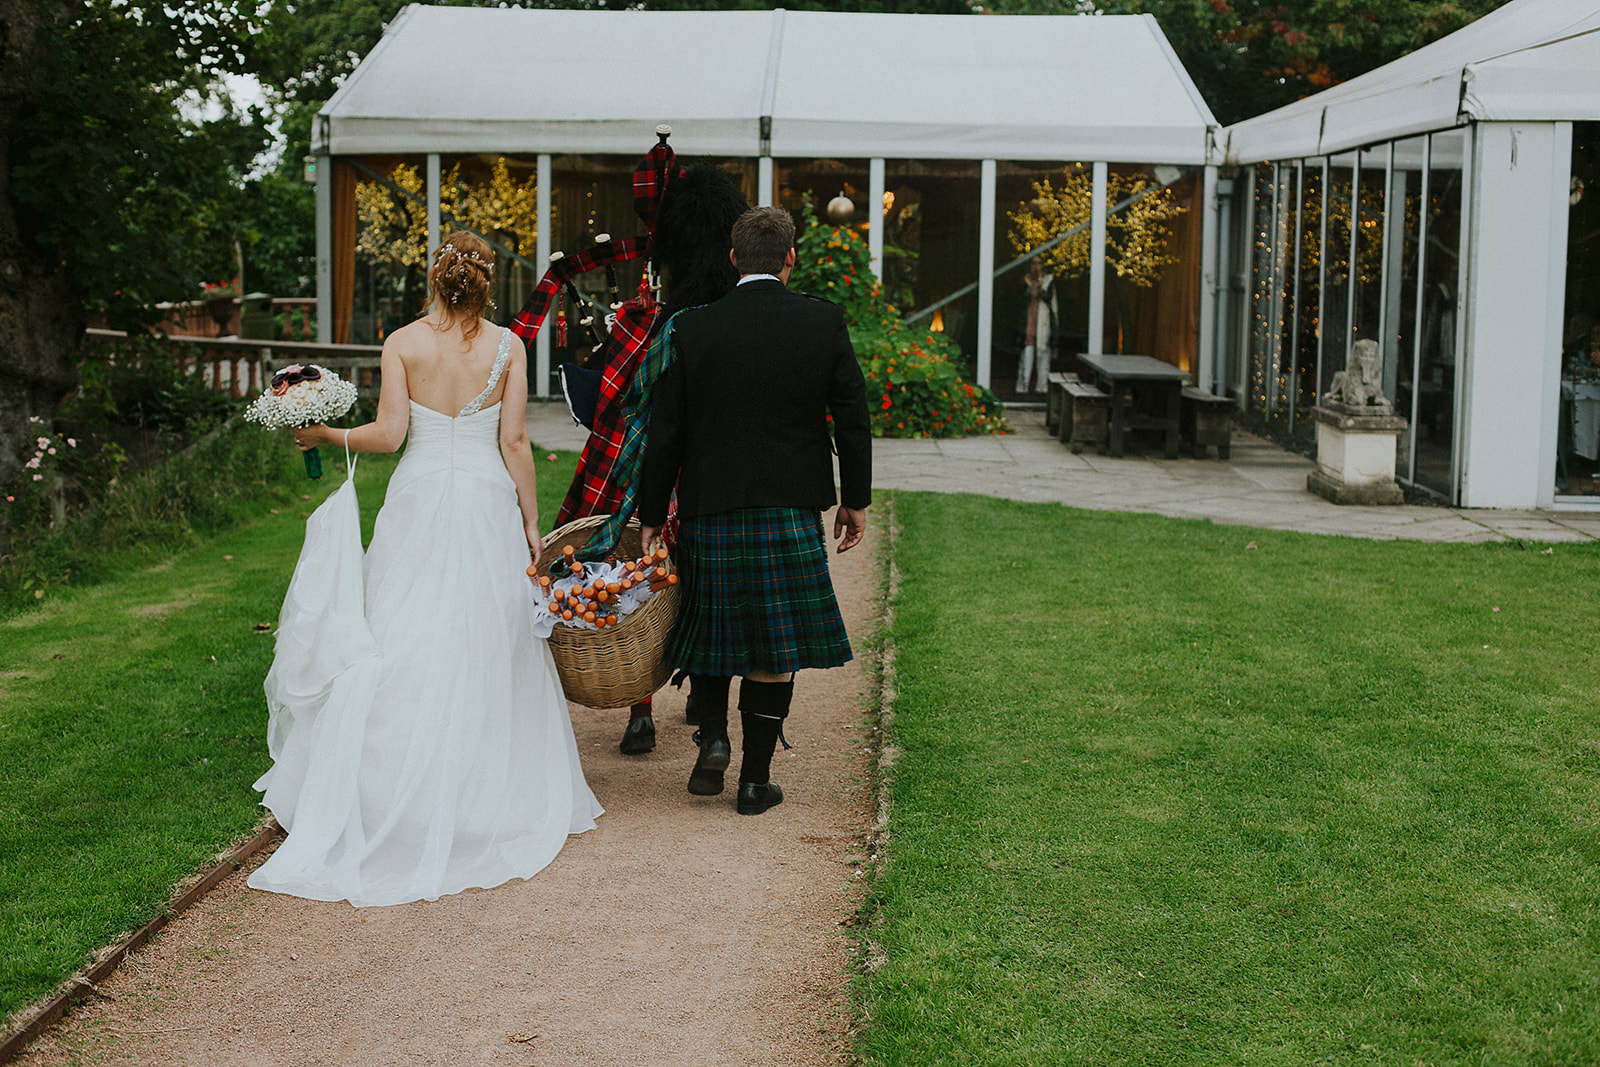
point(1145, 395)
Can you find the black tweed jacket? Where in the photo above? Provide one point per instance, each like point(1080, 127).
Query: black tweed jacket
point(740, 419)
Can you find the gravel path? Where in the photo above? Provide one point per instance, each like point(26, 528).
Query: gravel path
point(675, 933)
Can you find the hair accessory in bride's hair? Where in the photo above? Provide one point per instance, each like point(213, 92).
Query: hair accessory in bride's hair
point(468, 254)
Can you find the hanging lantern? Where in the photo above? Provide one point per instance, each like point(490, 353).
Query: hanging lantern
point(841, 209)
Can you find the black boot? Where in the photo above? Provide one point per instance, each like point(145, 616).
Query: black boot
point(763, 707)
point(640, 735)
point(755, 799)
point(712, 737)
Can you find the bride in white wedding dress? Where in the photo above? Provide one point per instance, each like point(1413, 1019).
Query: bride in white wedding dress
point(420, 740)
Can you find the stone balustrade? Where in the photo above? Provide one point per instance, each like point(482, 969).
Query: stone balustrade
point(241, 367)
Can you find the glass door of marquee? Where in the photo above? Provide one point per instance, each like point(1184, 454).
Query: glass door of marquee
point(1578, 432)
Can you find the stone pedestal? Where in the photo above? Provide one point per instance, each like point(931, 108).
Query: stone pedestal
point(1355, 455)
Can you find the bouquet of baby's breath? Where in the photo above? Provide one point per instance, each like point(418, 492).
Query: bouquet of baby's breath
point(302, 395)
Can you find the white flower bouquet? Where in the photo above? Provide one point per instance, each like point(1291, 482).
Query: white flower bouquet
point(301, 395)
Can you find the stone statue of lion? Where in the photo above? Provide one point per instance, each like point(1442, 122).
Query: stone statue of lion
point(1360, 384)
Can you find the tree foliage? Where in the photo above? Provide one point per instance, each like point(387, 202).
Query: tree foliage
point(1248, 57)
point(392, 227)
point(115, 150)
point(124, 148)
point(392, 218)
point(273, 217)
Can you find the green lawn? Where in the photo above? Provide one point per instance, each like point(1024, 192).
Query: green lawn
point(1167, 798)
point(132, 725)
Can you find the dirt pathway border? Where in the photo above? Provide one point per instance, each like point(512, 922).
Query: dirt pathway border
point(83, 985)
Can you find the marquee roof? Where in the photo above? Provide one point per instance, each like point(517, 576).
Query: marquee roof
point(517, 80)
point(1531, 60)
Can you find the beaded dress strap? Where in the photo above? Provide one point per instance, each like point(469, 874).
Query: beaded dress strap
point(501, 357)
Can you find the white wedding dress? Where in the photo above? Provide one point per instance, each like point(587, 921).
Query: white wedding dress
point(420, 740)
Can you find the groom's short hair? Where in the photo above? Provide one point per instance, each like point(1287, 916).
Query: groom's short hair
point(761, 240)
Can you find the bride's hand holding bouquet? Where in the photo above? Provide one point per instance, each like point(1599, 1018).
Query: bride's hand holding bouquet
point(304, 397)
point(309, 437)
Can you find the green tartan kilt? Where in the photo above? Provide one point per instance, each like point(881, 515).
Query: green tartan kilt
point(756, 594)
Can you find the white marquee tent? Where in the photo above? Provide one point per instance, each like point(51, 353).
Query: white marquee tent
point(771, 84)
point(1495, 103)
point(925, 86)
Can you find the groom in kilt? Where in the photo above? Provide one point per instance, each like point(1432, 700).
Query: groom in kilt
point(739, 423)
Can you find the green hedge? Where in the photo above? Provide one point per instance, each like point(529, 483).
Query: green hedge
point(143, 459)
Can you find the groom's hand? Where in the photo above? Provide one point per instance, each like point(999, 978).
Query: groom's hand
point(849, 524)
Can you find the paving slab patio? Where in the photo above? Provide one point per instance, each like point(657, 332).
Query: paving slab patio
point(1260, 484)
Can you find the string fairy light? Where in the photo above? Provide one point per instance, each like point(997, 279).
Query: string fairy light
point(1273, 274)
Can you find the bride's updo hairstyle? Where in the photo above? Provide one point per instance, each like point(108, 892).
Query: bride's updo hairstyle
point(458, 280)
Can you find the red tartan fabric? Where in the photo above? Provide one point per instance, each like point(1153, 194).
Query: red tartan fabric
point(528, 321)
point(650, 179)
point(593, 491)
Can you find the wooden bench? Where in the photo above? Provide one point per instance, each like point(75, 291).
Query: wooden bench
point(1054, 397)
point(1085, 414)
point(1205, 419)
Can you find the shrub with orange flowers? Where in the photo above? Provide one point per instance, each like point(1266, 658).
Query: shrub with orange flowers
point(914, 385)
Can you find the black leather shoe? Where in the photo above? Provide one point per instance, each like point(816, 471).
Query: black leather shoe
point(706, 778)
point(755, 799)
point(639, 737)
point(691, 711)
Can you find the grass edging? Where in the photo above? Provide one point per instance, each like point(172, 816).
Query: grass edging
point(888, 751)
point(34, 1022)
point(871, 955)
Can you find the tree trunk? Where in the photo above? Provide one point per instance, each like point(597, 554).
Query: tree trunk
point(1124, 312)
point(409, 300)
point(41, 317)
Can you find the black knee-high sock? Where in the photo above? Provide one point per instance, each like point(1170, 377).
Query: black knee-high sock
point(763, 707)
point(760, 739)
point(711, 701)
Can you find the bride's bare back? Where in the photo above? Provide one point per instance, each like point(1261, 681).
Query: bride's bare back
point(445, 371)
point(433, 363)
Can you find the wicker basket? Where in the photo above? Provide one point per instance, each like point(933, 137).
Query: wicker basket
point(622, 664)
